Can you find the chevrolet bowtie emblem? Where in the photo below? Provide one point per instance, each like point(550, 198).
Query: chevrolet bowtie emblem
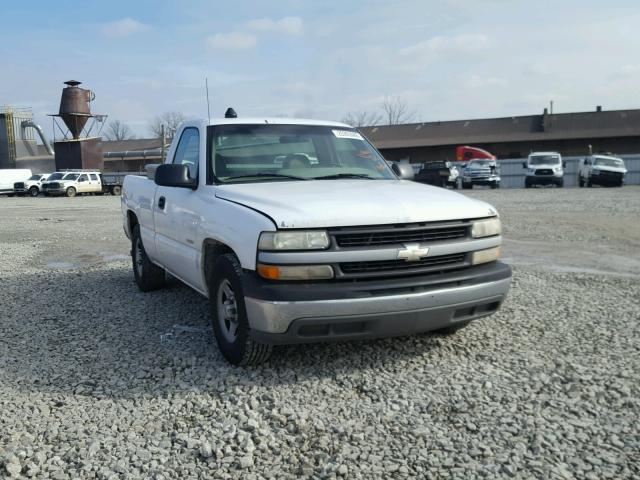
point(412, 252)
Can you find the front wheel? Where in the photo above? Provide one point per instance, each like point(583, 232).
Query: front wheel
point(71, 192)
point(580, 181)
point(589, 183)
point(229, 315)
point(148, 275)
point(452, 329)
point(116, 190)
point(33, 192)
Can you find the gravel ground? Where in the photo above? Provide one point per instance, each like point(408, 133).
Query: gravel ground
point(98, 380)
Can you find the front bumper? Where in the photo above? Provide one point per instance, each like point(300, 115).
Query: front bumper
point(544, 179)
point(286, 313)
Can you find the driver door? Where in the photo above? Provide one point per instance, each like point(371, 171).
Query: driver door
point(176, 220)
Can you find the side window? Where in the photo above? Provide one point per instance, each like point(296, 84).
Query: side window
point(93, 176)
point(187, 151)
point(83, 178)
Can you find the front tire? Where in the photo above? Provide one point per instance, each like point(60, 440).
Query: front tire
point(116, 190)
point(580, 181)
point(33, 192)
point(71, 192)
point(229, 315)
point(452, 329)
point(148, 275)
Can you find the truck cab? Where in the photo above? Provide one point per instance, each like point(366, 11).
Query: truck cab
point(603, 170)
point(73, 183)
point(290, 250)
point(544, 168)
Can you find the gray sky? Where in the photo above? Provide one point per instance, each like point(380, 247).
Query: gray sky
point(449, 59)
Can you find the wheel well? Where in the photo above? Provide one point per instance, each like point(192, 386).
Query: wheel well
point(212, 249)
point(132, 221)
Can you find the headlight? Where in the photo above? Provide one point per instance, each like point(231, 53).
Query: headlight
point(295, 240)
point(295, 272)
point(485, 256)
point(531, 170)
point(486, 228)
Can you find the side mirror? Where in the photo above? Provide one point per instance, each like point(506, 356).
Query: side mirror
point(564, 164)
point(403, 170)
point(524, 164)
point(172, 175)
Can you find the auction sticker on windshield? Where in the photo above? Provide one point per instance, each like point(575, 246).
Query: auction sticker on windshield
point(347, 134)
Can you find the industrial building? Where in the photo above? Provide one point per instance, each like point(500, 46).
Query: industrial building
point(616, 131)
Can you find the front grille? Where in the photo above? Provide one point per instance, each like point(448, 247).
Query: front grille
point(544, 171)
point(18, 185)
point(51, 185)
point(428, 264)
point(611, 175)
point(399, 234)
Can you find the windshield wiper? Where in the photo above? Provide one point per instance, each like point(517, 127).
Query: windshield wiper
point(344, 175)
point(273, 175)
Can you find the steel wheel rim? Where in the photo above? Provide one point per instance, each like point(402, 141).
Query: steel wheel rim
point(227, 308)
point(139, 257)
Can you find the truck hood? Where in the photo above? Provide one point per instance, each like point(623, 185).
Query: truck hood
point(343, 203)
point(606, 168)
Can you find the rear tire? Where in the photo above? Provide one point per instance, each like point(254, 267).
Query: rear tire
point(467, 186)
point(580, 181)
point(71, 192)
point(589, 183)
point(33, 192)
point(116, 190)
point(229, 315)
point(560, 184)
point(148, 275)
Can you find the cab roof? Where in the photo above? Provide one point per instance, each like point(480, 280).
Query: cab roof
point(266, 121)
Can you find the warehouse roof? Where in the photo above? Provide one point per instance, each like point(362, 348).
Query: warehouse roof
point(128, 145)
point(557, 126)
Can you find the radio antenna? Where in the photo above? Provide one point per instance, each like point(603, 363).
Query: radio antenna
point(206, 86)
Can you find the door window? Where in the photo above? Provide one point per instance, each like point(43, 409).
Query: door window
point(93, 176)
point(83, 178)
point(187, 151)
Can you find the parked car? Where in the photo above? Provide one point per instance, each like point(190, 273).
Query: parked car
point(544, 168)
point(9, 176)
point(440, 174)
point(604, 170)
point(344, 249)
point(73, 183)
point(31, 186)
point(481, 172)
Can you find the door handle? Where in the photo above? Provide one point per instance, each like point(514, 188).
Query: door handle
point(161, 202)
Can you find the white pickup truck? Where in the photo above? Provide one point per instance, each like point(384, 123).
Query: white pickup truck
point(291, 251)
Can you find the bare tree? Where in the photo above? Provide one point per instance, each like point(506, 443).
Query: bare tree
point(118, 130)
point(362, 118)
point(170, 120)
point(396, 111)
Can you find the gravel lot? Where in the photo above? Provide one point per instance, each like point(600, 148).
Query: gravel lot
point(98, 380)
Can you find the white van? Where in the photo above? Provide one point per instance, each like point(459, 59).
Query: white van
point(544, 168)
point(9, 176)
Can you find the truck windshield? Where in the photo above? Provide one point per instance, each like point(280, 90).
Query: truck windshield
point(544, 160)
point(35, 177)
point(609, 162)
point(56, 176)
point(481, 163)
point(263, 153)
